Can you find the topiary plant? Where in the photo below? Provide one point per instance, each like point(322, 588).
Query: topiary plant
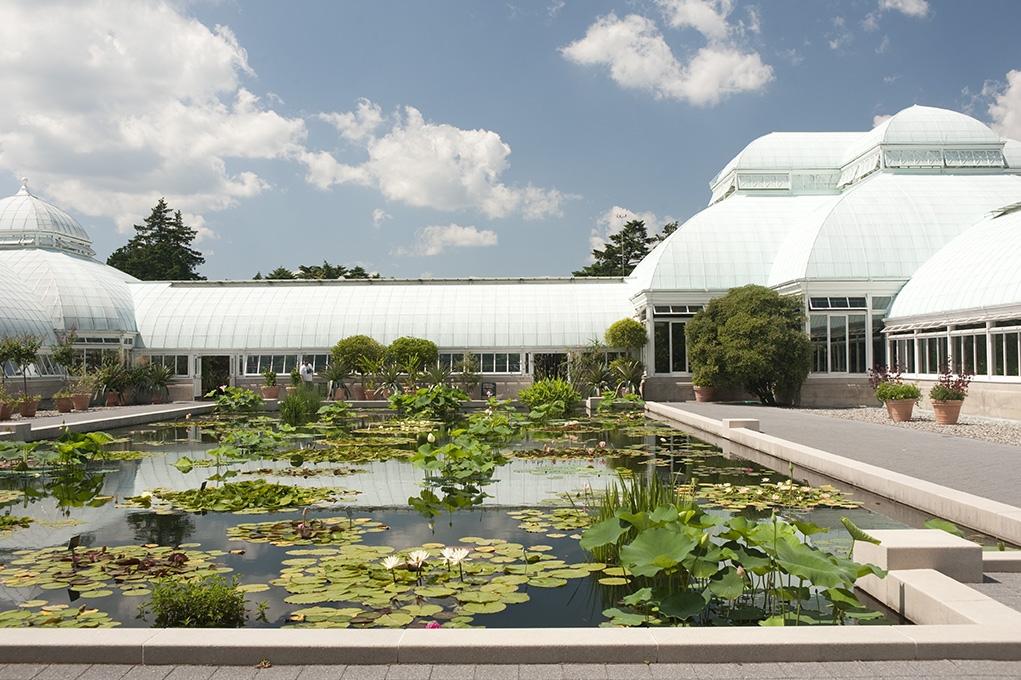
point(627, 333)
point(350, 351)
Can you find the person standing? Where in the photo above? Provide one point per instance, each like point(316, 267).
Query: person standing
point(306, 372)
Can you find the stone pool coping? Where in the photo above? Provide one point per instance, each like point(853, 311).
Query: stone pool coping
point(956, 621)
point(740, 436)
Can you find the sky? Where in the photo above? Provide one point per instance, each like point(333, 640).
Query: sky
point(453, 138)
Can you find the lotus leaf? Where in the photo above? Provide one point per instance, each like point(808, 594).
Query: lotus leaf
point(654, 550)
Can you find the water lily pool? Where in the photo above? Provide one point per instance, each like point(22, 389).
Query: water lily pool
point(306, 519)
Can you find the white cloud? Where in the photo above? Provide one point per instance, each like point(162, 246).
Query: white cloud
point(913, 8)
point(433, 240)
point(638, 57)
point(878, 119)
point(884, 45)
point(379, 216)
point(359, 125)
point(708, 17)
point(1005, 109)
point(431, 165)
point(107, 124)
point(791, 55)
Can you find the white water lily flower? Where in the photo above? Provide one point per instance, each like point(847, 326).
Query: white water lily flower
point(391, 562)
point(418, 557)
point(454, 556)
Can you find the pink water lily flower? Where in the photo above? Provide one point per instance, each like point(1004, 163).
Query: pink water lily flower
point(433, 624)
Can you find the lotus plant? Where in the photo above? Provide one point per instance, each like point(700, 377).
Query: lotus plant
point(455, 556)
point(416, 562)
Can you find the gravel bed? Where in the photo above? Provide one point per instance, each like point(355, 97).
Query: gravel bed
point(974, 427)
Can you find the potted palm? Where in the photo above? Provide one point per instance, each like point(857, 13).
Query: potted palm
point(898, 396)
point(159, 382)
point(270, 389)
point(370, 369)
point(337, 377)
point(947, 396)
point(389, 381)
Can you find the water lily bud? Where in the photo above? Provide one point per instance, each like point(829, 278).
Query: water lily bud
point(431, 438)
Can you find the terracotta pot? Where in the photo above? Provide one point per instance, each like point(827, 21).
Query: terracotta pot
point(339, 395)
point(357, 392)
point(291, 389)
point(899, 410)
point(157, 398)
point(81, 401)
point(112, 398)
point(27, 409)
point(64, 404)
point(6, 410)
point(382, 394)
point(947, 412)
point(704, 392)
point(270, 392)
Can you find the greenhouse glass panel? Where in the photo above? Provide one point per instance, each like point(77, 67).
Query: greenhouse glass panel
point(501, 363)
point(981, 363)
point(856, 343)
point(487, 363)
point(1011, 351)
point(661, 346)
point(678, 352)
point(838, 344)
point(819, 343)
point(999, 368)
point(514, 363)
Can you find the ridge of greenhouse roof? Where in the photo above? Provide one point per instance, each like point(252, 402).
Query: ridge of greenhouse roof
point(508, 280)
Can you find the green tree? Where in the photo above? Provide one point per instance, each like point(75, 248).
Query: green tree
point(404, 349)
point(627, 333)
point(160, 250)
point(350, 351)
point(753, 337)
point(625, 250)
point(325, 271)
point(280, 273)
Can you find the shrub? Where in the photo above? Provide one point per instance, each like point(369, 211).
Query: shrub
point(349, 351)
point(950, 387)
point(628, 374)
point(627, 333)
point(300, 406)
point(554, 395)
point(213, 602)
point(404, 350)
point(756, 338)
point(892, 391)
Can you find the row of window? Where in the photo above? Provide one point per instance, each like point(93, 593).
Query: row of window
point(490, 362)
point(992, 354)
point(256, 364)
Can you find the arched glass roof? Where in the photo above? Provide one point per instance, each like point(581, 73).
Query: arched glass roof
point(20, 311)
point(924, 126)
point(316, 314)
point(74, 290)
point(793, 151)
point(29, 221)
point(888, 226)
point(973, 275)
point(730, 243)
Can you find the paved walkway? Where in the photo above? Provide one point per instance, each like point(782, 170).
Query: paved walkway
point(977, 467)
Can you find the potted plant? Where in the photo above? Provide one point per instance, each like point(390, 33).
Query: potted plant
point(705, 382)
point(6, 402)
point(469, 372)
point(113, 380)
point(370, 369)
point(25, 353)
point(628, 375)
point(27, 404)
point(898, 396)
point(337, 376)
point(295, 380)
point(389, 381)
point(62, 400)
point(270, 389)
point(947, 396)
point(159, 382)
point(82, 386)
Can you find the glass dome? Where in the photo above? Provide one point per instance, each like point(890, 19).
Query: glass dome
point(29, 221)
point(74, 290)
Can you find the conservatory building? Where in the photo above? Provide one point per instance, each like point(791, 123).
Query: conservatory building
point(902, 242)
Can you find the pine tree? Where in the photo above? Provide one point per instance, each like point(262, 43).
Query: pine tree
point(161, 249)
point(624, 251)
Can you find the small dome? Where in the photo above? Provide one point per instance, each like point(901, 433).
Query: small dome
point(29, 221)
point(925, 126)
point(74, 290)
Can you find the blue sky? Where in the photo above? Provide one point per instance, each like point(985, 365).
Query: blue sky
point(453, 138)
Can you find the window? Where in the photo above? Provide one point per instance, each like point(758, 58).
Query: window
point(839, 342)
point(178, 363)
point(670, 353)
point(318, 361)
point(491, 362)
point(278, 363)
point(1005, 354)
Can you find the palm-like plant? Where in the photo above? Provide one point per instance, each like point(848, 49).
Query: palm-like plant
point(438, 375)
point(629, 374)
point(338, 375)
